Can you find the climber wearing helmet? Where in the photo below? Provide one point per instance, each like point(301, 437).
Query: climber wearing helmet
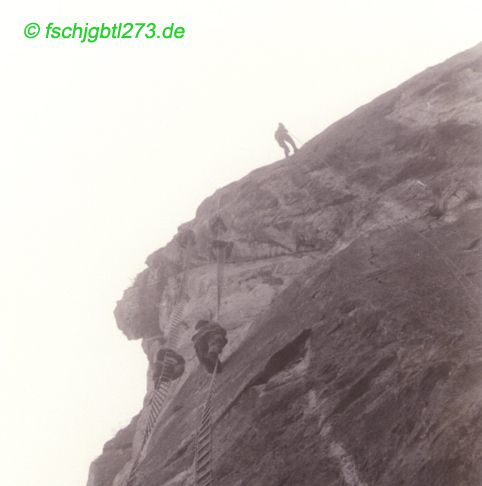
point(209, 342)
point(282, 137)
point(168, 365)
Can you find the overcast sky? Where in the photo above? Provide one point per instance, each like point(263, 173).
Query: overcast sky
point(108, 147)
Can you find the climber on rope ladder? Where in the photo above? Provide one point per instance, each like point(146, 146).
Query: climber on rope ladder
point(209, 342)
point(168, 365)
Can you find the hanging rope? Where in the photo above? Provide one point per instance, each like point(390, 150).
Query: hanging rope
point(203, 467)
point(164, 382)
point(156, 406)
point(221, 257)
point(203, 470)
point(296, 138)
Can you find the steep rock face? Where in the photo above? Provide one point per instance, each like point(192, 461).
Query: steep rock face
point(351, 298)
point(116, 453)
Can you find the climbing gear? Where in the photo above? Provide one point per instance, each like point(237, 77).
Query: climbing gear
point(209, 342)
point(160, 395)
point(203, 467)
point(201, 323)
point(172, 363)
point(163, 384)
point(155, 408)
point(296, 138)
point(221, 255)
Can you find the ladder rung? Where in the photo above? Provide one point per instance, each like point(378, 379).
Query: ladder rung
point(202, 447)
point(206, 482)
point(203, 460)
point(161, 394)
point(158, 403)
point(201, 444)
point(206, 411)
point(205, 423)
point(203, 436)
point(205, 466)
point(201, 465)
point(202, 475)
point(205, 420)
point(201, 457)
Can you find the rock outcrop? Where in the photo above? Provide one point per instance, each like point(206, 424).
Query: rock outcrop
point(352, 300)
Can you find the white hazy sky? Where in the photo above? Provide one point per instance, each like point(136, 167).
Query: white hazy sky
point(107, 147)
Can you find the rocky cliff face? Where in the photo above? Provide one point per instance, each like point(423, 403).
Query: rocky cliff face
point(352, 302)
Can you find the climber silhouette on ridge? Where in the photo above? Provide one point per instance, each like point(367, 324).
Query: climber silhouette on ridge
point(209, 342)
point(283, 137)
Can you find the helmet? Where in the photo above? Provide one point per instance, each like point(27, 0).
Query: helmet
point(201, 323)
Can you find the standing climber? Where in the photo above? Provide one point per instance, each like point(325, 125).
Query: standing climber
point(168, 365)
point(209, 342)
point(282, 136)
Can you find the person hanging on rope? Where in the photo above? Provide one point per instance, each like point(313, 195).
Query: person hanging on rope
point(209, 342)
point(217, 245)
point(283, 137)
point(168, 365)
point(219, 231)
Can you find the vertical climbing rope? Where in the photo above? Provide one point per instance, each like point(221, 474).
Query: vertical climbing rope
point(221, 257)
point(203, 466)
point(163, 384)
point(155, 408)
